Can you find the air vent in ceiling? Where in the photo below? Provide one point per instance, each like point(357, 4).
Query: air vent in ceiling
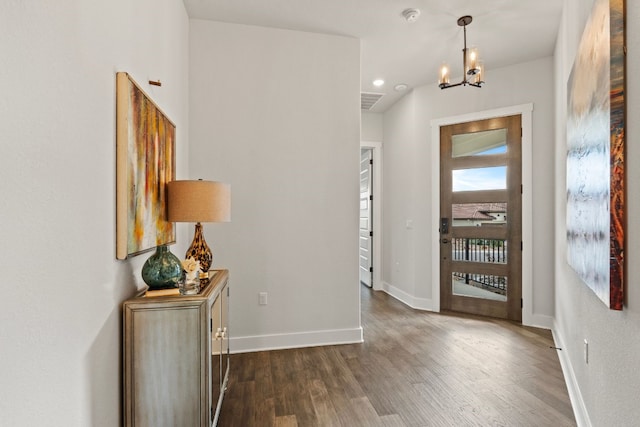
point(368, 100)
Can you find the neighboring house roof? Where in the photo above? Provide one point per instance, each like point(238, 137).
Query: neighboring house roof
point(478, 211)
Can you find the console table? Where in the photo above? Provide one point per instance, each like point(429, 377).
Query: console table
point(176, 355)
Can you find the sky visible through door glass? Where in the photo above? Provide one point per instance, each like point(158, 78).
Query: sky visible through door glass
point(497, 150)
point(494, 178)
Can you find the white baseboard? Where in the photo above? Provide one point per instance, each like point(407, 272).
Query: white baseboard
point(413, 302)
point(295, 340)
point(539, 321)
point(577, 402)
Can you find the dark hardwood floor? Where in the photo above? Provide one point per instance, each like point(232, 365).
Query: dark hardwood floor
point(414, 369)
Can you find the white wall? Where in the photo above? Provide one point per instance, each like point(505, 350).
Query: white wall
point(608, 385)
point(276, 114)
point(399, 187)
point(371, 127)
point(62, 288)
point(407, 174)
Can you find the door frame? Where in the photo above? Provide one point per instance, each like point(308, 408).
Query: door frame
point(376, 212)
point(526, 112)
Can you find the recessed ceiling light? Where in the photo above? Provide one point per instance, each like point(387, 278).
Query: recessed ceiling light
point(401, 87)
point(378, 82)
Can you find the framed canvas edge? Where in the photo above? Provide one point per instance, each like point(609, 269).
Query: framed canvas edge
point(122, 104)
point(618, 276)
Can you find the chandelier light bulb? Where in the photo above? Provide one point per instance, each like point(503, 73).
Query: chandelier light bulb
point(479, 76)
point(473, 60)
point(444, 72)
point(444, 75)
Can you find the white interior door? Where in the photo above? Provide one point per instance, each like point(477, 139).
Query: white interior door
point(366, 225)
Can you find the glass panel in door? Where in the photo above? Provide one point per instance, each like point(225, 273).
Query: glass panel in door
point(475, 285)
point(479, 179)
point(479, 143)
point(479, 214)
point(493, 251)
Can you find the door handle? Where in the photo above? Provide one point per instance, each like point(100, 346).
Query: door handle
point(445, 241)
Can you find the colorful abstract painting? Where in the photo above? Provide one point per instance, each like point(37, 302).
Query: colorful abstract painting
point(145, 140)
point(595, 154)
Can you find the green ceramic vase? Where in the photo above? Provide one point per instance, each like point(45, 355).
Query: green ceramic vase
point(162, 270)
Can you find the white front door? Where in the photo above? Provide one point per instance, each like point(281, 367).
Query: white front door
point(366, 226)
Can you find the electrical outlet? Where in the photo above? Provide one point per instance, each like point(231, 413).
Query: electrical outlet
point(263, 298)
point(586, 351)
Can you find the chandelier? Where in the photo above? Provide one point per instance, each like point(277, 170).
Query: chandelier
point(473, 70)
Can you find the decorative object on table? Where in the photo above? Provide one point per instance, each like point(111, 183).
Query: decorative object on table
point(162, 270)
point(199, 201)
point(145, 163)
point(596, 155)
point(190, 283)
point(471, 64)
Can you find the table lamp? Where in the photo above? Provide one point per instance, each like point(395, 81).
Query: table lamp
point(199, 201)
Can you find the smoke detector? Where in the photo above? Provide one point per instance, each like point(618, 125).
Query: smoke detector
point(411, 15)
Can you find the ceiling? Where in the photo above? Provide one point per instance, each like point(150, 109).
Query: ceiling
point(506, 32)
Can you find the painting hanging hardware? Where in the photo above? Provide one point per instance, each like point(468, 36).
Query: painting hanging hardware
point(155, 82)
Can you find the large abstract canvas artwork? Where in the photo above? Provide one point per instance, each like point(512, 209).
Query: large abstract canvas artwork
point(145, 144)
point(595, 154)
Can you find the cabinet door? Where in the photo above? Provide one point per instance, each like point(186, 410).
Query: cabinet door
point(224, 303)
point(216, 338)
point(164, 367)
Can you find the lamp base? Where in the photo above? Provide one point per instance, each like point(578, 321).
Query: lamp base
point(200, 251)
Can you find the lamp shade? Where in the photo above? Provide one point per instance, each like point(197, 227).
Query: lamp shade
point(199, 201)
